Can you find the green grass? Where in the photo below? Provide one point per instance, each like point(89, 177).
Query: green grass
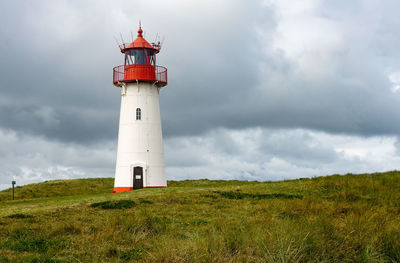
point(351, 218)
point(58, 188)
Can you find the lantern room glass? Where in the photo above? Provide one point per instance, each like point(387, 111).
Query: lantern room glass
point(140, 57)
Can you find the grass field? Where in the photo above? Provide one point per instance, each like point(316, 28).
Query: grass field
point(351, 218)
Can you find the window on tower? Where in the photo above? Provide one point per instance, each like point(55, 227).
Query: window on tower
point(138, 114)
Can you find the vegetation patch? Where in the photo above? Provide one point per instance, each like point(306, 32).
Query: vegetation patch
point(239, 195)
point(33, 240)
point(34, 244)
point(198, 222)
point(290, 215)
point(19, 216)
point(210, 196)
point(119, 204)
point(45, 259)
point(155, 225)
point(28, 244)
point(112, 252)
point(145, 201)
point(133, 254)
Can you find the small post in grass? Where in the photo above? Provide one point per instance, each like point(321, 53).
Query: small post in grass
point(13, 183)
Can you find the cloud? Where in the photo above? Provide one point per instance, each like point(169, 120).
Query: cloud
point(395, 79)
point(275, 154)
point(233, 64)
point(317, 68)
point(31, 159)
point(250, 154)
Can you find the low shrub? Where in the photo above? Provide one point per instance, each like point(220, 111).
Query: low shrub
point(239, 195)
point(19, 216)
point(145, 201)
point(44, 259)
point(112, 252)
point(133, 254)
point(119, 204)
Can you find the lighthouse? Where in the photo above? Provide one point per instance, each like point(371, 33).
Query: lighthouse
point(140, 155)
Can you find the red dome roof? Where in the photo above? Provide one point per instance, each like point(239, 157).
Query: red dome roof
point(139, 43)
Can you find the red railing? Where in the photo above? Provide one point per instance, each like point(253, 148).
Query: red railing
point(131, 73)
point(156, 46)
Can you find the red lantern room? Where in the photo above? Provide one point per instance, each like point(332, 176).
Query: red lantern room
point(140, 63)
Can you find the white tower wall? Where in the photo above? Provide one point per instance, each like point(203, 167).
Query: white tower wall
point(140, 141)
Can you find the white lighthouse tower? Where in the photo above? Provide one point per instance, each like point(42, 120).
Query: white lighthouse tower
point(140, 157)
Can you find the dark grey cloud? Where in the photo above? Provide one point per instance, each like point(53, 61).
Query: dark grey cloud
point(47, 68)
point(225, 68)
point(338, 84)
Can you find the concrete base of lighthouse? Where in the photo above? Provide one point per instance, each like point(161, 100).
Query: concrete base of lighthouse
point(140, 157)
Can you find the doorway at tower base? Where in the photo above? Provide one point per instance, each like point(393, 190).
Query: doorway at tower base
point(126, 189)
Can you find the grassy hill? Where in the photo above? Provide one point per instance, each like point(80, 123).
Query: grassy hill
point(351, 218)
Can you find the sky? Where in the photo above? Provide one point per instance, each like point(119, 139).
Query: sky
point(257, 90)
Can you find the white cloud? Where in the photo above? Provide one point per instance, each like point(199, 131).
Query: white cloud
point(265, 154)
point(248, 154)
point(29, 159)
point(395, 79)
